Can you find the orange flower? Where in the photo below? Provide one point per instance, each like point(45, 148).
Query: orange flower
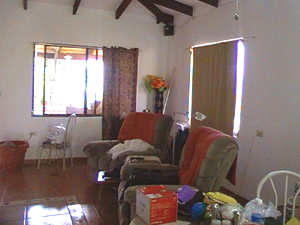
point(155, 82)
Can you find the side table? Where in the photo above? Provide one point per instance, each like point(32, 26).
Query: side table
point(104, 181)
point(141, 159)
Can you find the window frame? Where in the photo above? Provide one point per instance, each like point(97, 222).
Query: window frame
point(87, 48)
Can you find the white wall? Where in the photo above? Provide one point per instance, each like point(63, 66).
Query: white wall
point(271, 84)
point(42, 22)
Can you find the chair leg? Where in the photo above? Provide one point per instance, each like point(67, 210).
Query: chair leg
point(50, 154)
point(64, 164)
point(39, 161)
point(71, 157)
point(64, 160)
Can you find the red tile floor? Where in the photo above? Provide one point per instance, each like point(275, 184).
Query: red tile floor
point(30, 183)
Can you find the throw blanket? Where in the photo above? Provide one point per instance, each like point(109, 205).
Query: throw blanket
point(195, 151)
point(129, 145)
point(139, 126)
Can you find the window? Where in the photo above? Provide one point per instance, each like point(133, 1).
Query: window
point(216, 83)
point(239, 87)
point(66, 80)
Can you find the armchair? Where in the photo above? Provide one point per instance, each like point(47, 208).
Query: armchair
point(208, 158)
point(153, 129)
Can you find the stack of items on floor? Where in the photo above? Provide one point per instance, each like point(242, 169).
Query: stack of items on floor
point(156, 204)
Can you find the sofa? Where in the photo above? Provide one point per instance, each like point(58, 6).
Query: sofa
point(153, 129)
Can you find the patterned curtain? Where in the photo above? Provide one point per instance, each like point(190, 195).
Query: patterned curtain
point(119, 90)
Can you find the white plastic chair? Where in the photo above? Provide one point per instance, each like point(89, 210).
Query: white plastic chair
point(63, 147)
point(284, 175)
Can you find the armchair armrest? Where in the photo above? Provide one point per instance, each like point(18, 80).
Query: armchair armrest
point(127, 169)
point(121, 158)
point(96, 147)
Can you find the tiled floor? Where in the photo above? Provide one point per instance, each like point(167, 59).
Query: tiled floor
point(29, 183)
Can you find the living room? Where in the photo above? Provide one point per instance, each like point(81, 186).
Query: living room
point(269, 102)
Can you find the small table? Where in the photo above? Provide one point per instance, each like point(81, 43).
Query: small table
point(141, 159)
point(104, 181)
point(138, 221)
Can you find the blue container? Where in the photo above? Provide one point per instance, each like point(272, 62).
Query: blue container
point(197, 210)
point(258, 218)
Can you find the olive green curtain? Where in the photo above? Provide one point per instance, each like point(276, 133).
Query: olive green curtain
point(119, 89)
point(214, 85)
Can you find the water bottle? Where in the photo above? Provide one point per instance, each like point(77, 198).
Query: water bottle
point(255, 209)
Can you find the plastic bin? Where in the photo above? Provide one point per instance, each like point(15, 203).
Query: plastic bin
point(12, 154)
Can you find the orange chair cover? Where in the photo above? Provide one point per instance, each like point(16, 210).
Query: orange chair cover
point(139, 126)
point(195, 151)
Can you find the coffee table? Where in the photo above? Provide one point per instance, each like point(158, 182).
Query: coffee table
point(180, 221)
point(105, 181)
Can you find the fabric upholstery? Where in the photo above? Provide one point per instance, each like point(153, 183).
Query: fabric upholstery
point(195, 151)
point(150, 127)
point(219, 157)
point(139, 125)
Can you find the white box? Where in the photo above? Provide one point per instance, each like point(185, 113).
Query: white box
point(156, 204)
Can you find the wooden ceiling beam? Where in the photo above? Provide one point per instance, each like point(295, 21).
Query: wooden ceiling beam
point(25, 4)
point(122, 8)
point(75, 6)
point(214, 3)
point(160, 16)
point(174, 5)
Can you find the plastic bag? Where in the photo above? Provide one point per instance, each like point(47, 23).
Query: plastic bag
point(271, 211)
point(56, 134)
point(227, 211)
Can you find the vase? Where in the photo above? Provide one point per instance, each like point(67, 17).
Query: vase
point(159, 101)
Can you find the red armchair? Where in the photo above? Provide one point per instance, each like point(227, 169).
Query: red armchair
point(149, 127)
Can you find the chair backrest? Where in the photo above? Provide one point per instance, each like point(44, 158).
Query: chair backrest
point(150, 127)
point(70, 130)
point(208, 158)
point(280, 181)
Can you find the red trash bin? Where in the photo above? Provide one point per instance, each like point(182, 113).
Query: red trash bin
point(12, 154)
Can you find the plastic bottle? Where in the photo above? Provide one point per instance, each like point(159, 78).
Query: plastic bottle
point(226, 222)
point(227, 215)
point(255, 211)
point(237, 218)
point(216, 222)
point(215, 208)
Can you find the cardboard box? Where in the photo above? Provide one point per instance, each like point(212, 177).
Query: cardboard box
point(155, 204)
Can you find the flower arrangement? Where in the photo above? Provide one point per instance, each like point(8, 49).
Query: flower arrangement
point(155, 83)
